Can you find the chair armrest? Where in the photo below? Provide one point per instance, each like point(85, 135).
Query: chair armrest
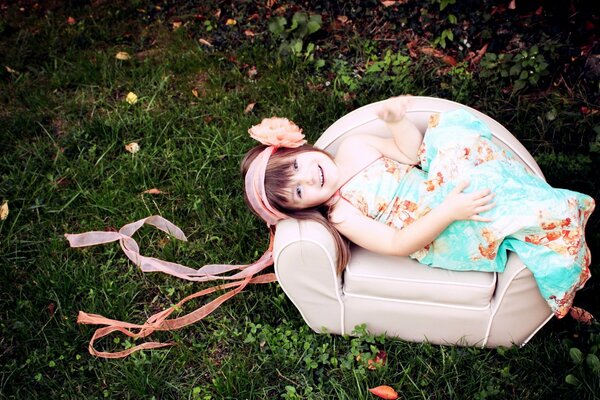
point(518, 308)
point(305, 265)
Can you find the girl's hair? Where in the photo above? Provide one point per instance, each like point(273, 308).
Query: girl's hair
point(278, 175)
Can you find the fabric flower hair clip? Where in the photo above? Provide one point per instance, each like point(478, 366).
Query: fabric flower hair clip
point(278, 132)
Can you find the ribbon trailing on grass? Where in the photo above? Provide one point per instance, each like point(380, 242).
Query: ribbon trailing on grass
point(159, 321)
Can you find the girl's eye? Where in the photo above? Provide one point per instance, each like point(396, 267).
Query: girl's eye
point(295, 165)
point(299, 192)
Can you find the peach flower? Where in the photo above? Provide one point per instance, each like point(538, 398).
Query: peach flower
point(279, 132)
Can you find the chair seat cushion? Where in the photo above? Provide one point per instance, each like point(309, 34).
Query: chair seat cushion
point(371, 275)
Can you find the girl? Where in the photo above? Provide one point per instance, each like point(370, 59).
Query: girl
point(426, 197)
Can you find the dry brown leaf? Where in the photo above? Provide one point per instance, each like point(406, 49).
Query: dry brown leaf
point(205, 42)
point(249, 108)
point(4, 211)
point(512, 5)
point(153, 191)
point(249, 33)
point(10, 70)
point(176, 25)
point(122, 55)
point(71, 21)
point(132, 147)
point(195, 92)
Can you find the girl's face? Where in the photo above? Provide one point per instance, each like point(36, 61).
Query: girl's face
point(315, 179)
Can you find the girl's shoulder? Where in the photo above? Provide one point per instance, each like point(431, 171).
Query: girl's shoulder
point(358, 149)
point(340, 211)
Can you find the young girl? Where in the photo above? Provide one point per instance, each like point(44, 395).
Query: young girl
point(450, 199)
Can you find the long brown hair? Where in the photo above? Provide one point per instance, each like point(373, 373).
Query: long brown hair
point(278, 175)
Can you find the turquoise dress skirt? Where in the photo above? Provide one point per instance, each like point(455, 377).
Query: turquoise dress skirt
point(543, 225)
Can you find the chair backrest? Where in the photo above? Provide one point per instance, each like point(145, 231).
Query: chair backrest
point(364, 121)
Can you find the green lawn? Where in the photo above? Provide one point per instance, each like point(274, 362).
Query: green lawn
point(64, 124)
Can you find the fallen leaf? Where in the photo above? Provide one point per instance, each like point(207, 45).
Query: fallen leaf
point(205, 42)
point(132, 147)
point(4, 211)
point(378, 361)
point(581, 315)
point(122, 55)
point(252, 72)
point(51, 308)
point(384, 392)
point(539, 11)
point(474, 58)
point(131, 98)
point(195, 92)
point(438, 54)
point(512, 5)
point(249, 33)
point(176, 25)
point(10, 70)
point(392, 3)
point(249, 108)
point(588, 111)
point(231, 21)
point(342, 18)
point(153, 191)
point(71, 21)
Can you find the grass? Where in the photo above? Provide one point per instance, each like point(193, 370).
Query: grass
point(63, 168)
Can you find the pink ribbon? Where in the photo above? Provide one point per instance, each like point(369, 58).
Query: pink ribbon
point(159, 321)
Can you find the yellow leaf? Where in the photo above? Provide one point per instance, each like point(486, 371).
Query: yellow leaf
point(131, 98)
point(4, 211)
point(231, 21)
point(132, 147)
point(176, 25)
point(195, 92)
point(122, 55)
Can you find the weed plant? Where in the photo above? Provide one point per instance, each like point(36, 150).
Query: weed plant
point(63, 168)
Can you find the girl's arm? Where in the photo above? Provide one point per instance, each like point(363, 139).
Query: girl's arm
point(402, 147)
point(380, 238)
point(406, 135)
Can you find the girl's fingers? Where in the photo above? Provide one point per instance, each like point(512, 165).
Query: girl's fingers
point(485, 207)
point(460, 186)
point(479, 218)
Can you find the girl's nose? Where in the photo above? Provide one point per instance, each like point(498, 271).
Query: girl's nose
point(308, 178)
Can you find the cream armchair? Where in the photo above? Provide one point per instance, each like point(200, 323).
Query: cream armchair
point(396, 295)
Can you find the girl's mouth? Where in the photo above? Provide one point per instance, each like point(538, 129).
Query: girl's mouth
point(321, 176)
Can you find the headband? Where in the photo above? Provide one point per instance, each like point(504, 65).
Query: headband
point(274, 133)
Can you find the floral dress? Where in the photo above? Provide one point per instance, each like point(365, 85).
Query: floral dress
point(543, 225)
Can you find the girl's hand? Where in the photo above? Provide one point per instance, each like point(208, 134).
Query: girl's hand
point(394, 109)
point(461, 206)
